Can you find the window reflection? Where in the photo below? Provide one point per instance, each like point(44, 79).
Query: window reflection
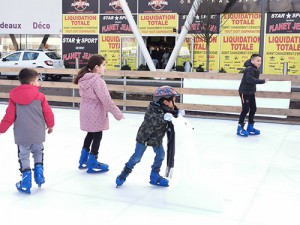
point(11, 43)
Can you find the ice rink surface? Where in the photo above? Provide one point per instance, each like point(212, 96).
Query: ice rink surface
point(219, 178)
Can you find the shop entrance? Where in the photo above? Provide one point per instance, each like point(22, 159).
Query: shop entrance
point(160, 49)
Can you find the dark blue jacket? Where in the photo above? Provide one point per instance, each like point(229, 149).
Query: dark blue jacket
point(250, 79)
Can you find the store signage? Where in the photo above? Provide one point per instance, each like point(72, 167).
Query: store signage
point(80, 6)
point(158, 6)
point(115, 24)
point(235, 50)
point(80, 24)
point(280, 23)
point(200, 52)
point(109, 46)
point(164, 24)
point(199, 24)
point(40, 18)
point(114, 6)
point(79, 47)
point(281, 48)
point(240, 6)
point(240, 23)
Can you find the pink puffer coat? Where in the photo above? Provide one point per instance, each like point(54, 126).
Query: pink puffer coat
point(95, 104)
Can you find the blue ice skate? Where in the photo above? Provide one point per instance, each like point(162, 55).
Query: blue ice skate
point(156, 179)
point(94, 166)
point(39, 174)
point(241, 131)
point(25, 184)
point(122, 177)
point(83, 159)
point(251, 130)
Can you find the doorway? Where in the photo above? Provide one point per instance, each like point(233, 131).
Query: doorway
point(160, 49)
point(128, 59)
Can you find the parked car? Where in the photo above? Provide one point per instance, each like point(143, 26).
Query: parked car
point(33, 59)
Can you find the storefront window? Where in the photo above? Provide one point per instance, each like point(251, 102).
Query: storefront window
point(29, 41)
point(6, 45)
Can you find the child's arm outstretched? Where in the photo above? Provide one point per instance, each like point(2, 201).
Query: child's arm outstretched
point(252, 80)
point(102, 92)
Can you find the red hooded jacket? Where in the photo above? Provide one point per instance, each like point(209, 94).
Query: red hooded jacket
point(29, 111)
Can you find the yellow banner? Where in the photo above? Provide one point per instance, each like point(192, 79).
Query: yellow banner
point(185, 52)
point(163, 24)
point(129, 52)
point(109, 47)
point(80, 24)
point(240, 23)
point(235, 50)
point(200, 53)
point(280, 49)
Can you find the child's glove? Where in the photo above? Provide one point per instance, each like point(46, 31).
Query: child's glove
point(181, 112)
point(168, 117)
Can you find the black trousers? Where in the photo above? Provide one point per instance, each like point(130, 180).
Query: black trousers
point(93, 140)
point(248, 105)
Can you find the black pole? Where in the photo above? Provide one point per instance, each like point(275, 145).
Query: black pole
point(262, 34)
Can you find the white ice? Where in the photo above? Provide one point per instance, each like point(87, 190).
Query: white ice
point(219, 178)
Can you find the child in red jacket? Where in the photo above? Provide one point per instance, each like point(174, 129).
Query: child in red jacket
point(31, 114)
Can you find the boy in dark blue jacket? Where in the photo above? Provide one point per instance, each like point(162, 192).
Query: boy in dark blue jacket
point(247, 91)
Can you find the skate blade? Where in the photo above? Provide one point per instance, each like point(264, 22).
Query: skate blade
point(23, 190)
point(119, 185)
point(96, 171)
point(159, 185)
point(40, 184)
point(252, 133)
point(81, 167)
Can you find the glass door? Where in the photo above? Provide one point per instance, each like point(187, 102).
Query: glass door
point(186, 52)
point(128, 53)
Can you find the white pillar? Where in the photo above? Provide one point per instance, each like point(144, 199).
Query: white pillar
point(137, 35)
point(182, 35)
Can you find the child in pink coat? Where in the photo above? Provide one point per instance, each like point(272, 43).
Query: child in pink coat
point(95, 104)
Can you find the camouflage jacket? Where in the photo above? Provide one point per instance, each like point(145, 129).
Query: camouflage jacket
point(153, 128)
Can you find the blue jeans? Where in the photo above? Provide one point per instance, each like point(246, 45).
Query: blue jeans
point(138, 154)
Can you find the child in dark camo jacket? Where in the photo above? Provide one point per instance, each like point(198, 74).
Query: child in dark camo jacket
point(151, 132)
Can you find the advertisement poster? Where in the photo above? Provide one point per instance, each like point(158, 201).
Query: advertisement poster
point(240, 23)
point(129, 52)
point(109, 46)
point(113, 24)
point(30, 17)
point(199, 22)
point(80, 24)
point(283, 5)
point(200, 53)
point(283, 23)
point(164, 24)
point(158, 6)
point(235, 50)
point(80, 7)
point(114, 6)
point(219, 6)
point(280, 49)
point(185, 52)
point(240, 6)
point(78, 46)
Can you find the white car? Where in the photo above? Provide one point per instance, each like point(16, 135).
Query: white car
point(33, 59)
